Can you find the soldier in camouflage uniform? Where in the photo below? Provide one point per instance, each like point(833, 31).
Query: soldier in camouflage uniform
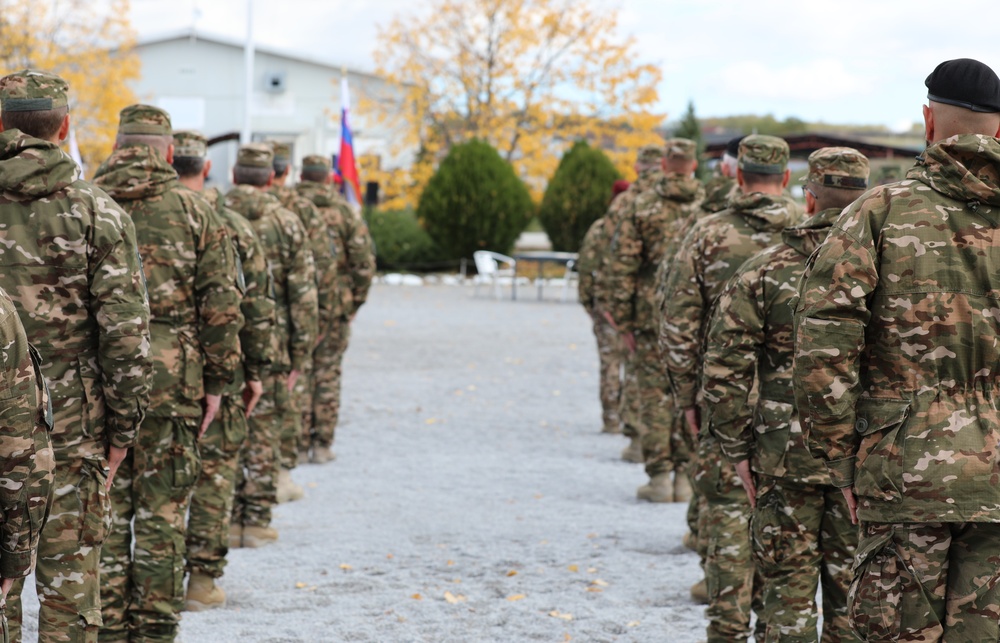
point(635, 253)
point(712, 252)
point(609, 344)
point(194, 298)
point(355, 257)
point(721, 189)
point(897, 365)
point(649, 170)
point(212, 499)
point(28, 463)
point(69, 263)
point(800, 531)
point(296, 323)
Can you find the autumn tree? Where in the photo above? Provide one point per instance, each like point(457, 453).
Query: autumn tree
point(528, 76)
point(89, 44)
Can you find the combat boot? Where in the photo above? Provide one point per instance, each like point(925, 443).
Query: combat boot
point(633, 452)
point(322, 455)
point(254, 537)
point(659, 489)
point(203, 594)
point(699, 592)
point(682, 487)
point(612, 427)
point(287, 490)
point(304, 456)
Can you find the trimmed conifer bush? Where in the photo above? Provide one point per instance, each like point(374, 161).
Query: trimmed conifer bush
point(475, 201)
point(577, 195)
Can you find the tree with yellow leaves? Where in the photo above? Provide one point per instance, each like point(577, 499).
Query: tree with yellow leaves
point(90, 45)
point(528, 76)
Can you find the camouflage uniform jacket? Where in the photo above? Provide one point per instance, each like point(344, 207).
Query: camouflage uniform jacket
point(719, 191)
point(638, 247)
point(712, 252)
point(750, 339)
point(26, 463)
point(622, 206)
point(324, 254)
point(256, 305)
point(292, 272)
point(897, 362)
point(351, 240)
point(591, 248)
point(68, 260)
point(190, 271)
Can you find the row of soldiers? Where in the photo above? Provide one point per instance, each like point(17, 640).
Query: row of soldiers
point(185, 353)
point(792, 373)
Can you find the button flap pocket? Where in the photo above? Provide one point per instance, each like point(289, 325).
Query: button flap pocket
point(875, 414)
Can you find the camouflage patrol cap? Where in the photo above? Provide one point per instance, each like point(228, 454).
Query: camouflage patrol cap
point(838, 167)
point(30, 90)
point(144, 119)
point(190, 143)
point(761, 154)
point(282, 151)
point(255, 155)
point(681, 149)
point(650, 155)
point(316, 163)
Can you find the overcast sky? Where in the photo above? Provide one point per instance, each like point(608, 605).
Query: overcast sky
point(845, 61)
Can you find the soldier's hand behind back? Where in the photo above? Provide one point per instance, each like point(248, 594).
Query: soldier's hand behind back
point(746, 477)
point(251, 395)
point(212, 404)
point(116, 455)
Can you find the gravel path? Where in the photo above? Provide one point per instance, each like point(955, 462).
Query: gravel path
point(473, 498)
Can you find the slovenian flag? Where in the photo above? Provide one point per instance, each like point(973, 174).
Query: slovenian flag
point(346, 165)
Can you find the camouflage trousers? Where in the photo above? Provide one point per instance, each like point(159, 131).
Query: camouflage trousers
point(802, 537)
point(610, 351)
point(290, 428)
point(927, 582)
point(660, 424)
point(628, 403)
point(319, 420)
point(142, 562)
point(257, 474)
point(67, 573)
point(212, 500)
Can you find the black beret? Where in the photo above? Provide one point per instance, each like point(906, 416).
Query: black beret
point(966, 83)
point(733, 146)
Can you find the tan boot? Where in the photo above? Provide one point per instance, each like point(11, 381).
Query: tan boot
point(689, 540)
point(322, 455)
point(699, 592)
point(235, 536)
point(612, 427)
point(633, 452)
point(254, 537)
point(304, 456)
point(203, 594)
point(287, 490)
point(682, 487)
point(659, 489)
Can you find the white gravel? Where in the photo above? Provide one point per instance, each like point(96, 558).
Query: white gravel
point(473, 498)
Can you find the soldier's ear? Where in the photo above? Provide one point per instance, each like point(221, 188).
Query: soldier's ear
point(205, 170)
point(928, 124)
point(170, 153)
point(64, 128)
point(788, 177)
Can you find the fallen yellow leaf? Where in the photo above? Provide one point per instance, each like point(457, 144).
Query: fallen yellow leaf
point(345, 566)
point(556, 393)
point(299, 585)
point(417, 597)
point(591, 570)
point(450, 563)
point(451, 598)
point(430, 421)
point(538, 496)
point(511, 573)
point(632, 624)
point(567, 637)
point(515, 597)
point(311, 485)
point(471, 387)
point(389, 323)
point(572, 347)
point(599, 582)
point(389, 556)
point(591, 535)
point(558, 614)
point(594, 589)
point(573, 568)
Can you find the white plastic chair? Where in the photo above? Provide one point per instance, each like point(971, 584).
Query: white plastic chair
point(570, 280)
point(489, 270)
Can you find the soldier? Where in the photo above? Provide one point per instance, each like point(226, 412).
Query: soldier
point(70, 265)
point(649, 169)
point(194, 301)
point(711, 253)
point(355, 257)
point(296, 322)
point(635, 253)
point(721, 189)
point(327, 281)
point(609, 343)
point(800, 531)
point(896, 365)
point(212, 499)
point(26, 454)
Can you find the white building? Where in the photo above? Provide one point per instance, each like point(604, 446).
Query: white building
point(199, 79)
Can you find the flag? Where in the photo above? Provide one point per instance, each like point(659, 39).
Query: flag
point(346, 165)
point(74, 151)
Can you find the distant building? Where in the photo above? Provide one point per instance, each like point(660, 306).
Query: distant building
point(199, 79)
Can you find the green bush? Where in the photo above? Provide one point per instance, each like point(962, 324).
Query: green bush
point(400, 241)
point(577, 195)
point(475, 201)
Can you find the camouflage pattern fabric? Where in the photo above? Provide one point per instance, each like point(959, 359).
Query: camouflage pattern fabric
point(93, 334)
point(194, 300)
point(257, 473)
point(589, 262)
point(719, 191)
point(936, 581)
point(729, 568)
point(802, 537)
